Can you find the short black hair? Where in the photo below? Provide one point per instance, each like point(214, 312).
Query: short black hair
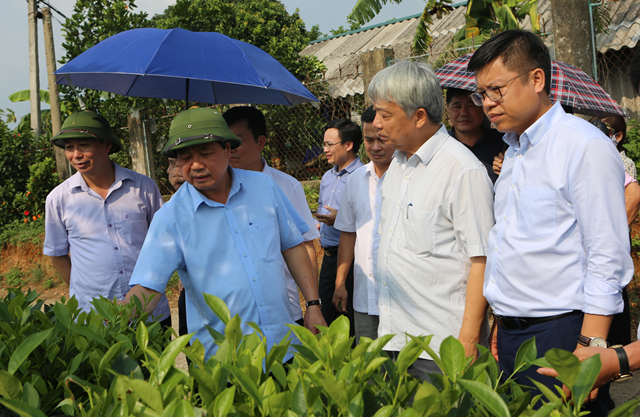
point(520, 51)
point(634, 72)
point(455, 92)
point(369, 115)
point(618, 124)
point(256, 122)
point(347, 131)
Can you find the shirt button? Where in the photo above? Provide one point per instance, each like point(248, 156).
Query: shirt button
point(260, 304)
point(385, 309)
point(244, 254)
point(376, 205)
point(254, 279)
point(236, 231)
point(266, 327)
point(369, 258)
point(384, 284)
point(513, 186)
point(384, 256)
point(226, 208)
point(370, 275)
point(398, 203)
point(121, 272)
point(391, 230)
point(519, 156)
point(505, 217)
point(496, 249)
point(126, 217)
point(109, 225)
point(116, 248)
point(493, 281)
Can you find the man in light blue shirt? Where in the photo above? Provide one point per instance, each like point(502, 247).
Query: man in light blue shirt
point(342, 139)
point(226, 232)
point(559, 252)
point(96, 220)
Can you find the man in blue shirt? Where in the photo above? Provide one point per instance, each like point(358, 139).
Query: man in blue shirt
point(227, 232)
point(342, 139)
point(559, 252)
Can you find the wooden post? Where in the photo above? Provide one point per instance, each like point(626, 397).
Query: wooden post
point(372, 62)
point(34, 68)
point(64, 170)
point(140, 137)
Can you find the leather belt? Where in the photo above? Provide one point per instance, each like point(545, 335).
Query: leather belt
point(521, 323)
point(331, 251)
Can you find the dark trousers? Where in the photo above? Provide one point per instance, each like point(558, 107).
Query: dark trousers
point(561, 333)
point(182, 314)
point(328, 286)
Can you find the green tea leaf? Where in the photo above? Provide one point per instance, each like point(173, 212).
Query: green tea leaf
point(356, 408)
point(184, 409)
point(487, 397)
point(386, 411)
point(142, 336)
point(407, 356)
point(62, 315)
point(168, 358)
point(427, 400)
point(527, 352)
point(279, 403)
point(309, 341)
point(105, 361)
point(589, 370)
point(453, 357)
point(10, 386)
point(626, 409)
point(219, 307)
point(149, 394)
point(298, 400)
point(546, 409)
point(30, 395)
point(25, 349)
point(566, 364)
point(339, 331)
point(246, 383)
point(223, 403)
point(233, 332)
point(22, 409)
point(336, 391)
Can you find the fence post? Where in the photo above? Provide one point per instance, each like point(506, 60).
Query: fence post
point(140, 137)
point(372, 62)
point(572, 33)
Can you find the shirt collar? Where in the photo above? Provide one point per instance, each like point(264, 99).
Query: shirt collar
point(264, 165)
point(198, 198)
point(78, 181)
point(538, 129)
point(429, 148)
point(349, 168)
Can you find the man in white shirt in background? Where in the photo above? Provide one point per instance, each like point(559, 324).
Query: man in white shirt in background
point(248, 123)
point(435, 218)
point(358, 220)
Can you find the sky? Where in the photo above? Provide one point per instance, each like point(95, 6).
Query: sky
point(14, 70)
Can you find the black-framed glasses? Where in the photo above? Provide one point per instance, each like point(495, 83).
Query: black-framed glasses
point(492, 93)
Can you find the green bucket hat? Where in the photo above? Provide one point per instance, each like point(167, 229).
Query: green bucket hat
point(86, 125)
point(195, 127)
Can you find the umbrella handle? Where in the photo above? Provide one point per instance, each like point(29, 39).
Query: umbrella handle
point(73, 87)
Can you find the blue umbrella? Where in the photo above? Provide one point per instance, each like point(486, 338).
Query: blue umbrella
point(179, 64)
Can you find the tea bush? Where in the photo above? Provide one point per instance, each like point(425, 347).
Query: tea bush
point(56, 362)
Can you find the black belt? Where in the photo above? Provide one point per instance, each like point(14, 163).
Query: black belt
point(521, 323)
point(331, 251)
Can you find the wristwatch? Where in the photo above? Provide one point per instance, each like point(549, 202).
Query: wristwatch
point(592, 341)
point(313, 303)
point(625, 370)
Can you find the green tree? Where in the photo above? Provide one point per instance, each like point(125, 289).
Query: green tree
point(262, 23)
point(483, 18)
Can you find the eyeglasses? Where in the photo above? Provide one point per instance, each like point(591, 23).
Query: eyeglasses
point(329, 145)
point(492, 93)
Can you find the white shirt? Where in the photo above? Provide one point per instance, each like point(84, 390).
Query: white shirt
point(561, 240)
point(437, 211)
point(292, 188)
point(360, 213)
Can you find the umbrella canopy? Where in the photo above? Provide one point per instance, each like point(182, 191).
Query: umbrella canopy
point(569, 85)
point(179, 64)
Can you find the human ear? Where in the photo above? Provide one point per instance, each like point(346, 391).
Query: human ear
point(538, 78)
point(421, 117)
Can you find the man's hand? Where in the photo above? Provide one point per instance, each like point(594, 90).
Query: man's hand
point(497, 163)
point(610, 368)
point(312, 318)
point(470, 348)
point(328, 219)
point(340, 298)
point(493, 343)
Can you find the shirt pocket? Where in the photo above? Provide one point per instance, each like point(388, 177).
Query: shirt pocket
point(537, 212)
point(266, 239)
point(420, 230)
point(134, 228)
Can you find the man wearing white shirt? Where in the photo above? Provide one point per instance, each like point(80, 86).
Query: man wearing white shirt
point(248, 123)
point(358, 220)
point(437, 210)
point(559, 253)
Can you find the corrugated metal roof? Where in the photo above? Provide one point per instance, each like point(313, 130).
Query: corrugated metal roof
point(341, 54)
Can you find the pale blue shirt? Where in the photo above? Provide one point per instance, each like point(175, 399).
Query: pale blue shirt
point(561, 240)
point(331, 188)
point(103, 236)
point(232, 251)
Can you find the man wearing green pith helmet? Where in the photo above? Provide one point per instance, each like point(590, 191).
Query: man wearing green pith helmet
point(96, 220)
point(228, 232)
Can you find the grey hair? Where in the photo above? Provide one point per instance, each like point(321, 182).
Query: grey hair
point(412, 86)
